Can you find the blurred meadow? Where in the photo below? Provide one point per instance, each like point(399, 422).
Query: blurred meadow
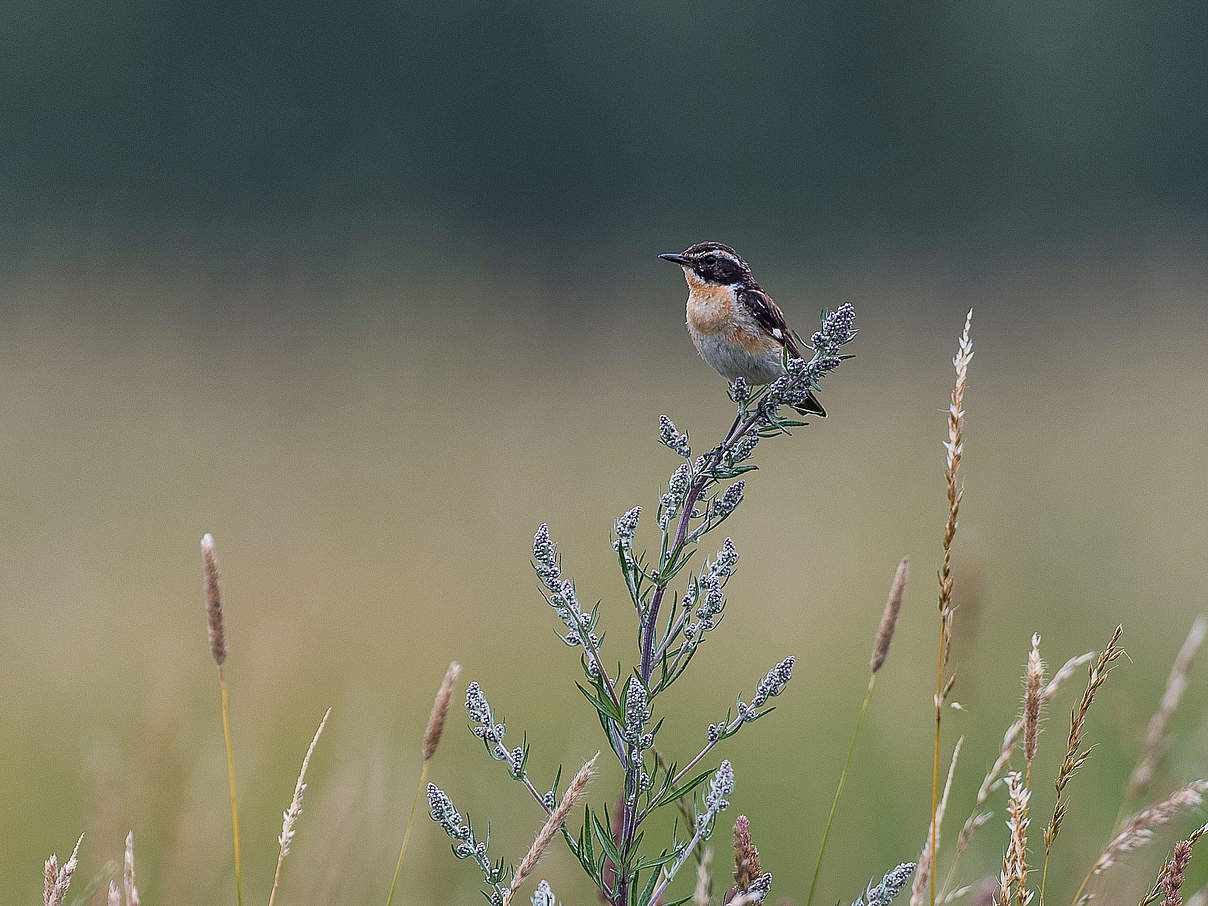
point(371, 293)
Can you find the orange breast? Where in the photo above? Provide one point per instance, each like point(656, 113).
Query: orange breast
point(710, 308)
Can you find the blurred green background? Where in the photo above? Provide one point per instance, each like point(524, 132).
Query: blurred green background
point(369, 291)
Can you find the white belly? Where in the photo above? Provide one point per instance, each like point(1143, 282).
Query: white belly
point(731, 361)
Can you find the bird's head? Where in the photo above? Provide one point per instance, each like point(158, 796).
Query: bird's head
point(712, 264)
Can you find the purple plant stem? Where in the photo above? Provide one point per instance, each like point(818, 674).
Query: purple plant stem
point(650, 630)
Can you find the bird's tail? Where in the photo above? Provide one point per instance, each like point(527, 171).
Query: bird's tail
point(811, 406)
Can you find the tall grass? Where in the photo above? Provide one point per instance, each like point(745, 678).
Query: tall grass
point(609, 846)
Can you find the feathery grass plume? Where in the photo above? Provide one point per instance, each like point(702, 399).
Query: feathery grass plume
point(880, 648)
point(955, 446)
point(889, 619)
point(440, 710)
point(926, 864)
point(51, 876)
point(218, 650)
point(432, 733)
point(214, 621)
point(58, 878)
point(1014, 877)
point(1075, 755)
point(1033, 691)
point(704, 879)
point(289, 818)
point(132, 898)
point(114, 897)
point(891, 885)
point(979, 817)
point(553, 824)
point(1155, 736)
point(1138, 831)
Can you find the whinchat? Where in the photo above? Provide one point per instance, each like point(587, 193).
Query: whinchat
point(734, 324)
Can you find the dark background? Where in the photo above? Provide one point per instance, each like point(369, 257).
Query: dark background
point(370, 291)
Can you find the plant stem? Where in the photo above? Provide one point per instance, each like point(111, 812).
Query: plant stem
point(423, 776)
point(935, 769)
point(658, 891)
point(649, 629)
point(872, 679)
point(226, 734)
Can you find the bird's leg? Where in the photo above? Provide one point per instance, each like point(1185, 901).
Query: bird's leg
point(715, 453)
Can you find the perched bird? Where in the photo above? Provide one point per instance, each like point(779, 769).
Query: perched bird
point(735, 325)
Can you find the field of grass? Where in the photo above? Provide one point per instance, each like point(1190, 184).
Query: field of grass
point(372, 454)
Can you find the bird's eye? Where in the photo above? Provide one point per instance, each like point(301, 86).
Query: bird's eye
point(709, 259)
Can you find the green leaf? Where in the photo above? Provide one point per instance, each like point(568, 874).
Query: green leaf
point(604, 838)
point(686, 788)
point(605, 708)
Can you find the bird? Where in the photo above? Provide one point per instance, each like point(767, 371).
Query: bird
point(736, 327)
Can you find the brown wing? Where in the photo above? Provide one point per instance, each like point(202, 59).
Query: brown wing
point(769, 316)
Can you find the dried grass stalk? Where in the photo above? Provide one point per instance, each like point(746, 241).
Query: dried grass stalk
point(1014, 876)
point(926, 866)
point(955, 445)
point(214, 622)
point(1138, 831)
point(1075, 755)
point(114, 898)
point(218, 650)
point(290, 816)
point(132, 898)
point(1033, 684)
point(978, 818)
point(436, 726)
point(545, 836)
point(1160, 887)
point(1155, 736)
point(889, 619)
point(440, 710)
point(1176, 873)
point(58, 879)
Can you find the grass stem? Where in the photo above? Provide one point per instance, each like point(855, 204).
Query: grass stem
point(226, 733)
point(423, 777)
point(830, 819)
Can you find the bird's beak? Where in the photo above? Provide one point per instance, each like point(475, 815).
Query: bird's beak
point(675, 259)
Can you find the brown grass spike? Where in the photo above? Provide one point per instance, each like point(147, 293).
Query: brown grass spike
point(545, 836)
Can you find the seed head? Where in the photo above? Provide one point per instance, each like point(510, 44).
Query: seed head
point(214, 621)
